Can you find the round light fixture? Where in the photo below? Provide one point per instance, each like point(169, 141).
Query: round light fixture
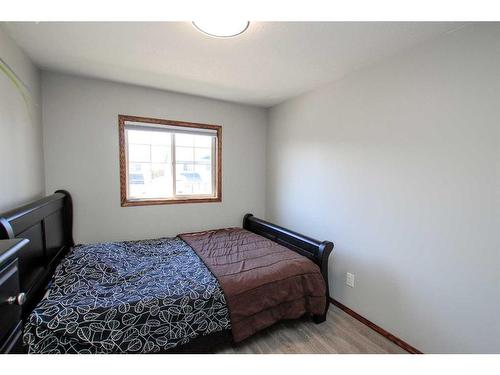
point(222, 29)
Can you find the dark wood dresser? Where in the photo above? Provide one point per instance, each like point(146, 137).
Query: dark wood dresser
point(11, 298)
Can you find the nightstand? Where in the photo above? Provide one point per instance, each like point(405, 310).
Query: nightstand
point(11, 298)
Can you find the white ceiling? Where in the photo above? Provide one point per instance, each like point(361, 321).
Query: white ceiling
point(268, 64)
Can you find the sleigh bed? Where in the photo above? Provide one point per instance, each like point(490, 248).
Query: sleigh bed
point(188, 293)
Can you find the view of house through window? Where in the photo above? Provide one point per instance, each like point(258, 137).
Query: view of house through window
point(169, 163)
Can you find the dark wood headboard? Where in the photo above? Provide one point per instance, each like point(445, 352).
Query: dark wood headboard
point(48, 225)
point(317, 251)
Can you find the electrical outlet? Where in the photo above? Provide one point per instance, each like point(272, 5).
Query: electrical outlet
point(349, 279)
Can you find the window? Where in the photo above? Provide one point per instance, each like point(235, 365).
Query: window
point(164, 161)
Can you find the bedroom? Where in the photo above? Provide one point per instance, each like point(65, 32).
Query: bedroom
point(367, 153)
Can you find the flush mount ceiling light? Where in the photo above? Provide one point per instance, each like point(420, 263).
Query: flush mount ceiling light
point(222, 29)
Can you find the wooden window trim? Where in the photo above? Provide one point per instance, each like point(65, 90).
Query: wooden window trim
point(125, 202)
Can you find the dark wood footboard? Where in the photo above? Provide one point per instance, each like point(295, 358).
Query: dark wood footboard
point(318, 251)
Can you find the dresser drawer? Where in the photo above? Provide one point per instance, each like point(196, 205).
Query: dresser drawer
point(14, 342)
point(10, 313)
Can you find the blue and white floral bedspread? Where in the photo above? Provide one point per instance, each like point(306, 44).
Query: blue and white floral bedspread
point(134, 296)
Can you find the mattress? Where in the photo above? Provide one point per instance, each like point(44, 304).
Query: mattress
point(157, 295)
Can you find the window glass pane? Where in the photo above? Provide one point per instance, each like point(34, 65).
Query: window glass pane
point(138, 153)
point(161, 181)
point(204, 187)
point(184, 154)
point(137, 177)
point(161, 154)
point(184, 140)
point(193, 179)
point(149, 164)
point(161, 138)
point(184, 178)
point(150, 180)
point(203, 141)
point(139, 136)
point(203, 155)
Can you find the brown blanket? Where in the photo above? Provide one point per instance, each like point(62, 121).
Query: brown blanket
point(263, 281)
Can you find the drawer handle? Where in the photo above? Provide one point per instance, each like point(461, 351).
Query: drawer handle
point(20, 299)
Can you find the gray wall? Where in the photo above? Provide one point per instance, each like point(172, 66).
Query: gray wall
point(399, 165)
point(21, 156)
point(80, 118)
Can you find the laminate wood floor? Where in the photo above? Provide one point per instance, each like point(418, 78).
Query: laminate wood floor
point(340, 333)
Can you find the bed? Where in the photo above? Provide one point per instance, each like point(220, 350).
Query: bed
point(188, 293)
